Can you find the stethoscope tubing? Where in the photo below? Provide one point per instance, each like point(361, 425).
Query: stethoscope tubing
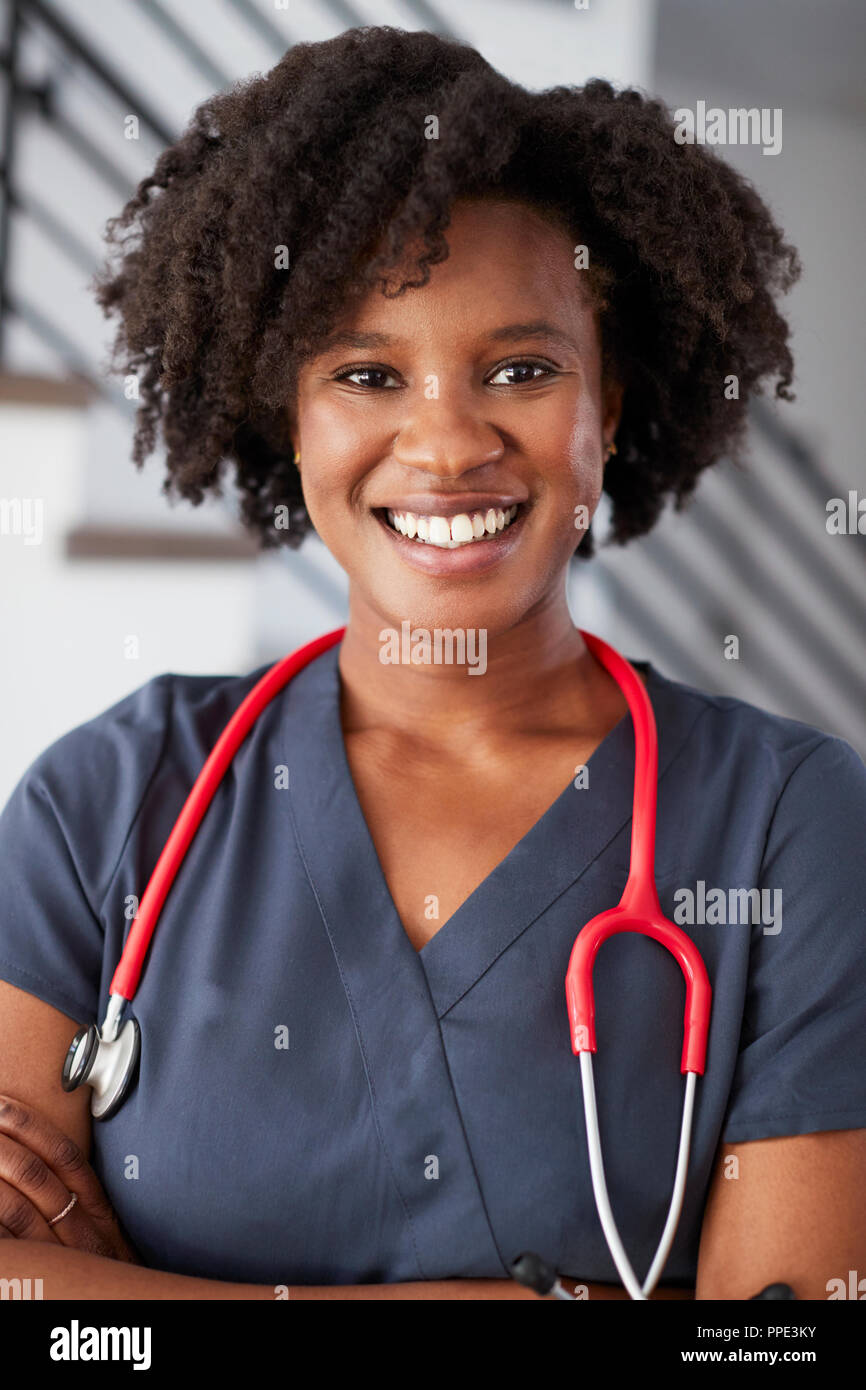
point(602, 1199)
point(638, 910)
point(125, 980)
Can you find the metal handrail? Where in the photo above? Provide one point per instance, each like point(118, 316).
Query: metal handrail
point(13, 41)
point(76, 47)
point(183, 40)
point(720, 537)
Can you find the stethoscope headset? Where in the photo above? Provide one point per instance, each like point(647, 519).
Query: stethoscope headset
point(107, 1059)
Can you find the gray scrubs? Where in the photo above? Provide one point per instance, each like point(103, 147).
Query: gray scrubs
point(318, 1103)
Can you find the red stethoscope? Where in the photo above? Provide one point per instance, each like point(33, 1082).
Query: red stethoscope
point(107, 1059)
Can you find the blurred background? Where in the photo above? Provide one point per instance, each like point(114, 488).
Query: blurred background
point(104, 584)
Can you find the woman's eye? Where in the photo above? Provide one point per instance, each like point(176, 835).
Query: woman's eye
point(524, 372)
point(375, 376)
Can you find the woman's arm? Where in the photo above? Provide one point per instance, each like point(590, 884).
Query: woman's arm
point(72, 1274)
point(790, 1210)
point(34, 1037)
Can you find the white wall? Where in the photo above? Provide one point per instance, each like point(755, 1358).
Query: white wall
point(64, 626)
point(62, 623)
point(816, 190)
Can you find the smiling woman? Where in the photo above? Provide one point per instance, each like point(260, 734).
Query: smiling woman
point(486, 398)
point(436, 354)
point(260, 231)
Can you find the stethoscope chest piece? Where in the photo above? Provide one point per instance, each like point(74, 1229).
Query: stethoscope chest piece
point(108, 1066)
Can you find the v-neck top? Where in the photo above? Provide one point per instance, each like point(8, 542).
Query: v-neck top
point(320, 1103)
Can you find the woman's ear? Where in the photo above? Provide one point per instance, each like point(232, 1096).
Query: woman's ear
point(292, 436)
point(612, 396)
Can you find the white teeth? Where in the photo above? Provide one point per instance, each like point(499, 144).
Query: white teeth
point(450, 532)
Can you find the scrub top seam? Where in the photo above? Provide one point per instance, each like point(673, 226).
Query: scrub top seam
point(475, 1173)
point(356, 1024)
point(42, 790)
point(50, 986)
point(825, 738)
point(578, 876)
point(754, 938)
point(809, 1115)
point(140, 807)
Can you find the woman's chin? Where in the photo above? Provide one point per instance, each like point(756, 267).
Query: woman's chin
point(407, 612)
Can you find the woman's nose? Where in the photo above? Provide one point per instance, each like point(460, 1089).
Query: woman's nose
point(444, 440)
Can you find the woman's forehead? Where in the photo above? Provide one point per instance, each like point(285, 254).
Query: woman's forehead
point(485, 226)
point(506, 266)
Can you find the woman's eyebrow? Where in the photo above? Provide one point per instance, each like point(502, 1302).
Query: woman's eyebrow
point(358, 341)
point(537, 328)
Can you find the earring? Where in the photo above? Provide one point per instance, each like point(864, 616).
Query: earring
point(611, 449)
point(297, 461)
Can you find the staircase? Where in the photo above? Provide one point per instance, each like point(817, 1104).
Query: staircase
point(750, 557)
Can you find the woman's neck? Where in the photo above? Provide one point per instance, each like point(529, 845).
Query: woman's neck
point(536, 677)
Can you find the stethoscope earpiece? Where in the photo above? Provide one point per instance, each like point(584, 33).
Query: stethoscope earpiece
point(108, 1065)
point(532, 1272)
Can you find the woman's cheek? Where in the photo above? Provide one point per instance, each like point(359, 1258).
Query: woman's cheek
point(322, 509)
point(329, 466)
point(588, 463)
point(336, 517)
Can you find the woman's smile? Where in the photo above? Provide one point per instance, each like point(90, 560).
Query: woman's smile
point(462, 543)
point(464, 528)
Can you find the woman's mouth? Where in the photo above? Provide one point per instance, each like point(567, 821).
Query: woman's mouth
point(463, 543)
point(450, 532)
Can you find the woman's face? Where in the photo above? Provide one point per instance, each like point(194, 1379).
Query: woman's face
point(478, 393)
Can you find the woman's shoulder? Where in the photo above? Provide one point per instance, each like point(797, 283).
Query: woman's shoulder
point(735, 734)
point(68, 823)
point(100, 772)
point(134, 730)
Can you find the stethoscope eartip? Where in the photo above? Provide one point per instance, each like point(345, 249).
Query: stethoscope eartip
point(530, 1270)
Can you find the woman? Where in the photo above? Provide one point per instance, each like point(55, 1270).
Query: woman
point(433, 316)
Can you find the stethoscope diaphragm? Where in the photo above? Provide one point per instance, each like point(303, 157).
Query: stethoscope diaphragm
point(106, 1065)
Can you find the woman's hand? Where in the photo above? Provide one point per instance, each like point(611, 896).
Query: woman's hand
point(41, 1169)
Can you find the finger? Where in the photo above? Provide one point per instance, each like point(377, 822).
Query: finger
point(30, 1128)
point(32, 1198)
point(20, 1219)
point(31, 1195)
point(27, 1181)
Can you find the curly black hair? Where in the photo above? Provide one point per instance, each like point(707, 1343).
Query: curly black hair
point(327, 156)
